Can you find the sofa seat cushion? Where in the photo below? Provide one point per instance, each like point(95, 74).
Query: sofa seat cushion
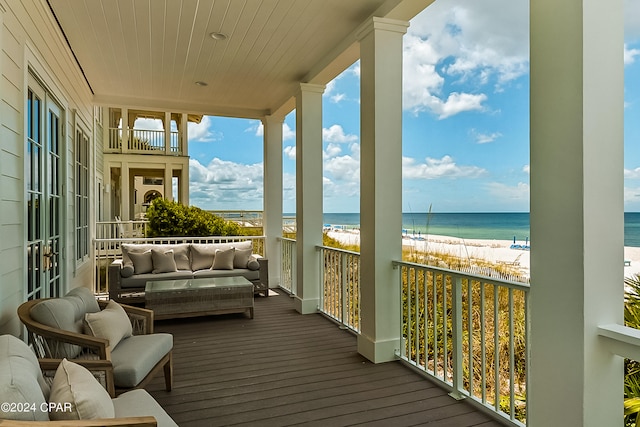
point(139, 403)
point(140, 280)
point(250, 275)
point(135, 356)
point(21, 379)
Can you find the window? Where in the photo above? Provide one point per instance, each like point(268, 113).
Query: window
point(82, 194)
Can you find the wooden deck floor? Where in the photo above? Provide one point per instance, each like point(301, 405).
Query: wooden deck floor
point(282, 369)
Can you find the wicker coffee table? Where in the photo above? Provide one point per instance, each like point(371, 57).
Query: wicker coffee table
point(199, 297)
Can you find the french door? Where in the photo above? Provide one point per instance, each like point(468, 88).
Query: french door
point(44, 179)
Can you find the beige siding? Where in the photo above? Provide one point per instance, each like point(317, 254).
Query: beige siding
point(29, 38)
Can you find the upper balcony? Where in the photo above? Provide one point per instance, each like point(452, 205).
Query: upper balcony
point(146, 132)
point(144, 141)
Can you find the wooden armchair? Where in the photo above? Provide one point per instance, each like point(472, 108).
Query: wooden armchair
point(20, 368)
point(63, 337)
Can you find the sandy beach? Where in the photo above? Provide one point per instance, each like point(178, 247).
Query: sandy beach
point(495, 251)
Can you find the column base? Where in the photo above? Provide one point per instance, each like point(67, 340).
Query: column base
point(306, 306)
point(378, 351)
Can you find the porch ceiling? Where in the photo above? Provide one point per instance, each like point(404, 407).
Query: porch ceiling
point(150, 53)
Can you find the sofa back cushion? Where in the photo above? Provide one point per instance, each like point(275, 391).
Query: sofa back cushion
point(21, 380)
point(180, 253)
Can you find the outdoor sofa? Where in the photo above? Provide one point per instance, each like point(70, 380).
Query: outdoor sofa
point(141, 263)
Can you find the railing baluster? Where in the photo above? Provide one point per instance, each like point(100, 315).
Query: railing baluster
point(456, 284)
point(483, 342)
point(496, 346)
point(512, 403)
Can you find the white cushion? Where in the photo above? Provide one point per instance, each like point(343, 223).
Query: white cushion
point(163, 261)
point(241, 258)
point(223, 259)
point(142, 262)
point(79, 395)
point(111, 323)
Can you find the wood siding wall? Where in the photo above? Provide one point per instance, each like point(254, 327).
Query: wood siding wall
point(30, 40)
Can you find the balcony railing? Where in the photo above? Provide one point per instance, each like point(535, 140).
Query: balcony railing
point(288, 266)
point(340, 296)
point(145, 141)
point(464, 330)
point(469, 333)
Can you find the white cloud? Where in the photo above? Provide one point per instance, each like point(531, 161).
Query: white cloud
point(287, 132)
point(338, 97)
point(632, 173)
point(484, 138)
point(148, 124)
point(438, 168)
point(202, 132)
point(290, 151)
point(335, 133)
point(526, 169)
point(474, 42)
point(631, 194)
point(630, 55)
point(500, 191)
point(224, 185)
point(632, 19)
point(332, 150)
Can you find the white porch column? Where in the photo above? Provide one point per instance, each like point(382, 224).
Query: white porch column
point(308, 195)
point(168, 182)
point(167, 133)
point(576, 211)
point(183, 135)
point(380, 186)
point(125, 192)
point(272, 221)
point(183, 186)
point(125, 130)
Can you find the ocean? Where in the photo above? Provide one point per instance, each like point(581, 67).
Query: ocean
point(498, 226)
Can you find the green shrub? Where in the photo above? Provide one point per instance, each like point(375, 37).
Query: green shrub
point(173, 219)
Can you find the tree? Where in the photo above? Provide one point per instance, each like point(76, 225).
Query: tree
point(172, 219)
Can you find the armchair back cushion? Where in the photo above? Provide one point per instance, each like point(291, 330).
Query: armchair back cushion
point(66, 313)
point(21, 380)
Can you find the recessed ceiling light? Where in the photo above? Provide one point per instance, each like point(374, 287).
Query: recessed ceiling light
point(218, 36)
point(201, 83)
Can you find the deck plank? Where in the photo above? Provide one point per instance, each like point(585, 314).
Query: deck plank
point(282, 369)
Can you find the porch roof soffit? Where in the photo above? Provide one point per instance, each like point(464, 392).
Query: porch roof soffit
point(149, 54)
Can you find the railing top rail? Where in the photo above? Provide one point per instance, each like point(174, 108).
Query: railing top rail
point(344, 251)
point(175, 238)
point(286, 239)
point(473, 276)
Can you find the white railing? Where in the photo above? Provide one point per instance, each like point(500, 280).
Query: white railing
point(120, 229)
point(108, 250)
point(245, 219)
point(340, 295)
point(288, 265)
point(143, 140)
point(469, 333)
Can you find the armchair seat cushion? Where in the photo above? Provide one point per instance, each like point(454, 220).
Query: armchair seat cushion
point(135, 356)
point(137, 403)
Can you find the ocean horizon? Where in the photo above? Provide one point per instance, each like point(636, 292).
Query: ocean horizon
point(481, 225)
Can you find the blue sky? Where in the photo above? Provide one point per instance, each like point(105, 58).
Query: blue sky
point(465, 122)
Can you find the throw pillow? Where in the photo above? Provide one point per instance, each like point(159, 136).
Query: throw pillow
point(253, 263)
point(142, 262)
point(111, 323)
point(127, 270)
point(201, 257)
point(163, 261)
point(223, 259)
point(79, 395)
point(241, 257)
